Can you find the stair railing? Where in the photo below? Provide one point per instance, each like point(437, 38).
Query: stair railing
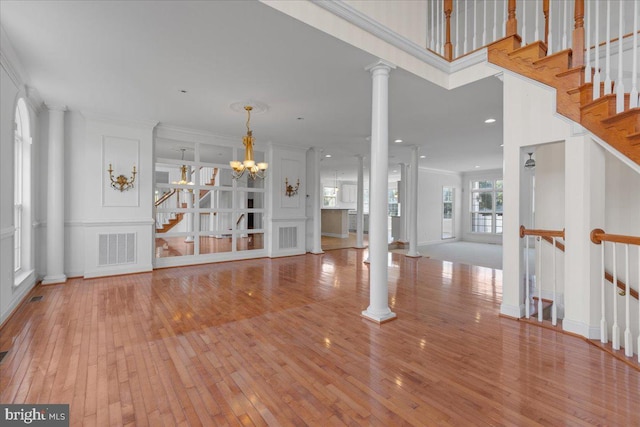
point(599, 237)
point(540, 236)
point(457, 27)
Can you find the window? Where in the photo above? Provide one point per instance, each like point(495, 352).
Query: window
point(21, 191)
point(447, 213)
point(329, 197)
point(392, 198)
point(486, 206)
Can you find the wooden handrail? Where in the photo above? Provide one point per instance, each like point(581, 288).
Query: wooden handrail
point(165, 197)
point(621, 285)
point(541, 233)
point(559, 245)
point(598, 236)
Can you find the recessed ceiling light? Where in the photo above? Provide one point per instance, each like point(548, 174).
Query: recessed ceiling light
point(476, 166)
point(423, 157)
point(398, 141)
point(183, 91)
point(501, 145)
point(327, 155)
point(395, 171)
point(490, 121)
point(300, 118)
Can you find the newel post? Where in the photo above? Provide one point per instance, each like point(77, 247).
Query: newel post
point(448, 47)
point(512, 22)
point(545, 11)
point(578, 34)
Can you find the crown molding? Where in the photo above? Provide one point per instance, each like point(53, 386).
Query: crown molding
point(10, 62)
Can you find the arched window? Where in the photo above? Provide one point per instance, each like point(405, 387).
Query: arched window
point(21, 187)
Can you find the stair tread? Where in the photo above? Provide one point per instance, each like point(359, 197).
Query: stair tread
point(622, 115)
point(554, 56)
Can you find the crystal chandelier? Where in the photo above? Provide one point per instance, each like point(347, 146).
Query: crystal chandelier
point(248, 165)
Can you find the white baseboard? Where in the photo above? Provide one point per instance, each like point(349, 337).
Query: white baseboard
point(580, 328)
point(516, 311)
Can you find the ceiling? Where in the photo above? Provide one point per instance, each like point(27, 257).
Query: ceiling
point(134, 59)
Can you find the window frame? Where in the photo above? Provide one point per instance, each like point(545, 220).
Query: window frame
point(495, 214)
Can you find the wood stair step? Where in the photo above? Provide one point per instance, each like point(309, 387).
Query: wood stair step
point(531, 52)
point(627, 122)
point(602, 107)
point(546, 308)
point(560, 61)
point(634, 138)
point(506, 44)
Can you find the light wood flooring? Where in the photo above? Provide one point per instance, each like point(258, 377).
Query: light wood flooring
point(281, 342)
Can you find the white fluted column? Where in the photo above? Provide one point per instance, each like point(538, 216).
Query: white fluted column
point(404, 203)
point(316, 195)
point(55, 197)
point(378, 310)
point(360, 205)
point(413, 206)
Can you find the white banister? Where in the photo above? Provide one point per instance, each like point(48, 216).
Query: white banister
point(634, 101)
point(523, 34)
point(432, 44)
point(438, 41)
point(475, 23)
point(603, 318)
point(565, 24)
point(628, 346)
point(536, 32)
point(596, 76)
point(554, 310)
point(587, 62)
point(615, 332)
point(607, 55)
point(619, 83)
point(506, 17)
point(484, 24)
point(527, 306)
point(466, 25)
point(495, 20)
point(539, 280)
point(457, 44)
point(550, 35)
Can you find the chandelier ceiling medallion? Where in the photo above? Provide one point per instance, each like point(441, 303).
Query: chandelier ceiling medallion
point(249, 165)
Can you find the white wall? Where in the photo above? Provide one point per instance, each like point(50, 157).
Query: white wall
point(287, 213)
point(430, 183)
point(467, 235)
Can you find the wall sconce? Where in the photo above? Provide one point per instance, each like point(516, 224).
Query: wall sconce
point(289, 189)
point(121, 182)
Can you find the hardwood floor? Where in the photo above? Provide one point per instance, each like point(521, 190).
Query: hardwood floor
point(282, 342)
point(330, 243)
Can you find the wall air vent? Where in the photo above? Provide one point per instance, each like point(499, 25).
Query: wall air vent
point(116, 248)
point(288, 238)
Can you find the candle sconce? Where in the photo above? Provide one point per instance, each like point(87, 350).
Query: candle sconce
point(289, 189)
point(121, 182)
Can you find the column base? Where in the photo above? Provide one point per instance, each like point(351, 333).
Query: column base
point(320, 252)
point(413, 255)
point(377, 318)
point(52, 280)
point(360, 247)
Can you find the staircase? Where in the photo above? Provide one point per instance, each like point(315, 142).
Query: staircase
point(573, 95)
point(175, 220)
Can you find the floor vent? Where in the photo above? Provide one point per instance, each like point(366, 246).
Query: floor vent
point(34, 299)
point(2, 355)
